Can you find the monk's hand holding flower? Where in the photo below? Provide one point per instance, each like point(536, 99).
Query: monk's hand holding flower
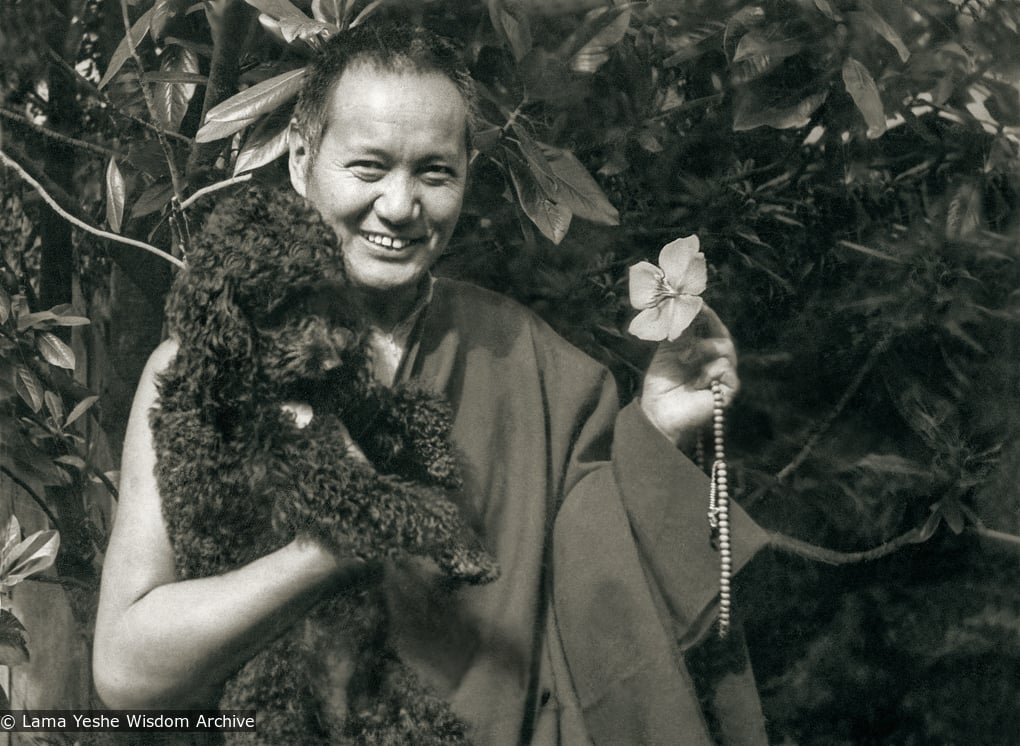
point(695, 347)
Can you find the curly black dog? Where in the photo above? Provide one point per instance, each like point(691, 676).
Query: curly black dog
point(263, 316)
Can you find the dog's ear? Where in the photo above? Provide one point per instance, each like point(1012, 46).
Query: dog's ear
point(214, 333)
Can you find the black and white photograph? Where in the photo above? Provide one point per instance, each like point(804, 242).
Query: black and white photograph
point(510, 372)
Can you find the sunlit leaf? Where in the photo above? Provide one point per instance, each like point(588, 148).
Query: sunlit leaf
point(55, 350)
point(239, 111)
point(36, 553)
point(49, 319)
point(80, 408)
point(861, 87)
point(171, 99)
point(115, 195)
point(610, 25)
point(306, 29)
point(264, 145)
point(123, 51)
point(277, 9)
point(328, 11)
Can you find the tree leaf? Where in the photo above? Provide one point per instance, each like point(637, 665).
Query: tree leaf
point(278, 9)
point(578, 190)
point(28, 387)
point(55, 350)
point(5, 306)
point(80, 408)
point(366, 12)
point(47, 319)
point(162, 77)
point(115, 195)
point(861, 87)
point(154, 198)
point(131, 40)
point(964, 215)
point(34, 554)
point(610, 26)
point(71, 460)
point(772, 42)
point(690, 44)
point(55, 406)
point(13, 646)
point(237, 112)
point(825, 7)
point(510, 20)
point(264, 145)
point(171, 99)
point(551, 219)
point(163, 12)
point(883, 29)
point(305, 29)
point(328, 11)
point(11, 538)
point(751, 113)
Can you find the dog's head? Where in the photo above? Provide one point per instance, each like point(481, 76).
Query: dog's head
point(265, 296)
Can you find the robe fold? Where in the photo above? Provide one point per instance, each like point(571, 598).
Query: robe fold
point(599, 525)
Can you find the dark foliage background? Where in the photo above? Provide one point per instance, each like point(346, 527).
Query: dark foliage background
point(851, 168)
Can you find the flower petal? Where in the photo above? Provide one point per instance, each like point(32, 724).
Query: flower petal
point(696, 278)
point(645, 282)
point(652, 324)
point(675, 257)
point(681, 311)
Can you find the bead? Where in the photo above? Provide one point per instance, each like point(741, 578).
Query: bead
point(718, 504)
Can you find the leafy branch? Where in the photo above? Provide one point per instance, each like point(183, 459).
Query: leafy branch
point(24, 174)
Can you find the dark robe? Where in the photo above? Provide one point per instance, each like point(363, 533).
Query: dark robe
point(599, 525)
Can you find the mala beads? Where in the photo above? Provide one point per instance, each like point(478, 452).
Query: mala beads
point(718, 508)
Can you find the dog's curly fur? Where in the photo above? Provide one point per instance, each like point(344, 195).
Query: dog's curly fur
point(262, 316)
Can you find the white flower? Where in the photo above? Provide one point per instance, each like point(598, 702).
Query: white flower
point(668, 296)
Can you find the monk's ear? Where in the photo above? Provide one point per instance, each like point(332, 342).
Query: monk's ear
point(300, 158)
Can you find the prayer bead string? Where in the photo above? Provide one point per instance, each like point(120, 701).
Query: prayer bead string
point(719, 507)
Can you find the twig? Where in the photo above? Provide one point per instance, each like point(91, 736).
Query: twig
point(7, 161)
point(785, 543)
point(214, 187)
point(63, 581)
point(178, 221)
point(87, 84)
point(824, 425)
point(1010, 541)
point(51, 134)
point(31, 493)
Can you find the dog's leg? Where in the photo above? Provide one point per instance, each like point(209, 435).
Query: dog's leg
point(361, 513)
